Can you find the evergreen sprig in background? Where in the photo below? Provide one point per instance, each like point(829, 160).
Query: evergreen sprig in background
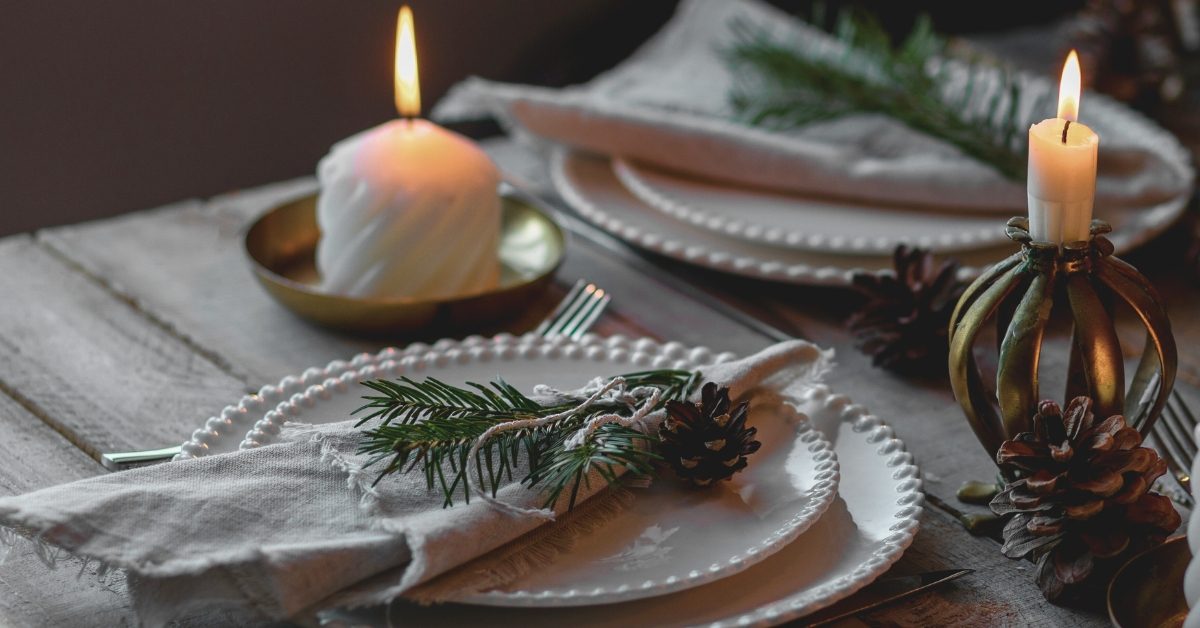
point(786, 85)
point(432, 426)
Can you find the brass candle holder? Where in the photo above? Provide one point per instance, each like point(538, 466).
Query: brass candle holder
point(1017, 295)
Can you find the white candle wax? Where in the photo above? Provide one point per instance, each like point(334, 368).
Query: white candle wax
point(408, 209)
point(1062, 180)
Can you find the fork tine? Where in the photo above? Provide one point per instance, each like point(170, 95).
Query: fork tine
point(1169, 437)
point(1186, 420)
point(1171, 452)
point(1179, 474)
point(568, 312)
point(1178, 426)
point(577, 319)
point(555, 317)
point(597, 310)
point(572, 312)
point(1173, 440)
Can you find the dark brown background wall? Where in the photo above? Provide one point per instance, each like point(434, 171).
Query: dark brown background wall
point(108, 106)
point(118, 105)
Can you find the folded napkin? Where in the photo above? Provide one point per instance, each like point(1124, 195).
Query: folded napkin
point(667, 106)
point(296, 527)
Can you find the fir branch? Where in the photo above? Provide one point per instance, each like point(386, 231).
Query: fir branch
point(432, 425)
point(784, 86)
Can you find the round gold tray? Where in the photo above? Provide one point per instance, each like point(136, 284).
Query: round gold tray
point(282, 244)
point(1148, 590)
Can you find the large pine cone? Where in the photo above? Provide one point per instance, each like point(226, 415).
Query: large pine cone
point(1083, 496)
point(905, 319)
point(708, 441)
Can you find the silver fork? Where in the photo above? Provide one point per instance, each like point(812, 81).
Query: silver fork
point(1173, 433)
point(573, 316)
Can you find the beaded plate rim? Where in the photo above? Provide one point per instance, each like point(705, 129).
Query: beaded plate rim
point(633, 177)
point(894, 522)
point(314, 384)
point(1142, 226)
point(909, 503)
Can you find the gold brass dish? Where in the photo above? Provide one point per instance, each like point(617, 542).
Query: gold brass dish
point(1147, 592)
point(1017, 296)
point(282, 244)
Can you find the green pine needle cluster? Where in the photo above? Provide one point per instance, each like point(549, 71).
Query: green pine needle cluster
point(785, 85)
point(431, 425)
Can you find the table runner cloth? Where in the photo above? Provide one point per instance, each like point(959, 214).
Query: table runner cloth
point(667, 105)
point(290, 528)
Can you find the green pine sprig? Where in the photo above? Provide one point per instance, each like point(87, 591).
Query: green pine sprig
point(790, 85)
point(431, 425)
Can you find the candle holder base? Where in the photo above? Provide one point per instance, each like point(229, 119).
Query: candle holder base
point(281, 247)
point(1018, 294)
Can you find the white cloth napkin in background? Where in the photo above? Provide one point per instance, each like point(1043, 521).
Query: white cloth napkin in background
point(1191, 577)
point(667, 106)
point(294, 527)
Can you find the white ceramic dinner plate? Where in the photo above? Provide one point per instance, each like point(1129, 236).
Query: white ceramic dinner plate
point(670, 538)
point(791, 221)
point(587, 183)
point(862, 534)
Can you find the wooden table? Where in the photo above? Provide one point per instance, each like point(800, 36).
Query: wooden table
point(127, 333)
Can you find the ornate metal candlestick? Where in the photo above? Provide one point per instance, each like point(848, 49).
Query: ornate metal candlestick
point(1018, 293)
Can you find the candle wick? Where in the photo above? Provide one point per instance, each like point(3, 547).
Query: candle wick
point(1065, 127)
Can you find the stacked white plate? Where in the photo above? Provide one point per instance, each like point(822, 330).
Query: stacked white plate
point(826, 506)
point(807, 240)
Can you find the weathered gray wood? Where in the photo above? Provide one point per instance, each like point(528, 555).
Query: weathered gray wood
point(1001, 592)
point(34, 455)
point(91, 366)
point(182, 268)
point(183, 265)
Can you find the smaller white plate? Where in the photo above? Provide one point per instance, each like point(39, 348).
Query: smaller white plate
point(671, 538)
point(861, 535)
point(806, 223)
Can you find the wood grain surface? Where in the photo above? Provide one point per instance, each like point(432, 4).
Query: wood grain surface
point(128, 332)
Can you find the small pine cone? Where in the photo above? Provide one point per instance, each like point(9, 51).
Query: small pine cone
point(707, 442)
point(905, 319)
point(1084, 494)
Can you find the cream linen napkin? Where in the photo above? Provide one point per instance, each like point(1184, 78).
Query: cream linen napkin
point(296, 527)
point(667, 106)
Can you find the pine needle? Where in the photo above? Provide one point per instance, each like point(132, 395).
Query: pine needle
point(432, 425)
point(786, 85)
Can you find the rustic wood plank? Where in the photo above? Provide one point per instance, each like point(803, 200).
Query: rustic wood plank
point(1001, 592)
point(183, 266)
point(91, 366)
point(34, 455)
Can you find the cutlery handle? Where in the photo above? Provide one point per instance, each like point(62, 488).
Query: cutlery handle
point(124, 459)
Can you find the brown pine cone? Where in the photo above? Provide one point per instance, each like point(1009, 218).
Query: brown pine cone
point(1084, 494)
point(709, 441)
point(904, 322)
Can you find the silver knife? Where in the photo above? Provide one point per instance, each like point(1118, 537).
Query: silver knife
point(883, 591)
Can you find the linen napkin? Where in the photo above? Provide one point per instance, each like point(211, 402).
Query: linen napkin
point(667, 106)
point(295, 527)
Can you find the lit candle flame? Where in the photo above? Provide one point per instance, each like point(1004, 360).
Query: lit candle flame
point(1069, 87)
point(408, 85)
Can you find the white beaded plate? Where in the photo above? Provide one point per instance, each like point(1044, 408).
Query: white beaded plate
point(806, 223)
point(671, 538)
point(862, 534)
point(588, 184)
